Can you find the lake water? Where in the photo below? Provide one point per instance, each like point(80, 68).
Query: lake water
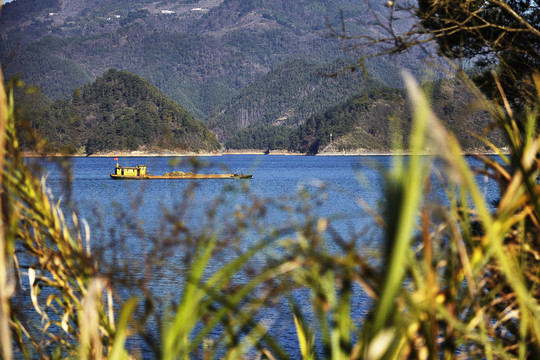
point(131, 221)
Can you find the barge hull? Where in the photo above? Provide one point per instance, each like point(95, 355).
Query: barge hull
point(187, 177)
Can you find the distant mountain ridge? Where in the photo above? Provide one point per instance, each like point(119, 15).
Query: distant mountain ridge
point(252, 70)
point(198, 52)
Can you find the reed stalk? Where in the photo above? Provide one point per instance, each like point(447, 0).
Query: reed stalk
point(6, 286)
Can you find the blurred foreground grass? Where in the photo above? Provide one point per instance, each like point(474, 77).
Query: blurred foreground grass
point(459, 281)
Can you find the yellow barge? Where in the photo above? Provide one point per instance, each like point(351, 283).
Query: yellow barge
point(139, 173)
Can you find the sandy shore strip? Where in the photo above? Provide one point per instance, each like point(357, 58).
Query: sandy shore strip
point(358, 152)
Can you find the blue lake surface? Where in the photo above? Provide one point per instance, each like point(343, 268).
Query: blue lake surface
point(127, 223)
point(344, 180)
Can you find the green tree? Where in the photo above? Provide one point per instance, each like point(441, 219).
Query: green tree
point(497, 35)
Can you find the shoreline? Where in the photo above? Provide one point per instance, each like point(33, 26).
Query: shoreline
point(359, 152)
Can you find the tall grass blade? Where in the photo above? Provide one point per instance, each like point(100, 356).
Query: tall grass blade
point(118, 351)
point(305, 338)
point(90, 340)
point(176, 341)
point(6, 290)
point(403, 193)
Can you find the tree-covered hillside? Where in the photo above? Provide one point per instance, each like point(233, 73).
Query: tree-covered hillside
point(120, 111)
point(376, 119)
point(379, 119)
point(198, 52)
point(287, 95)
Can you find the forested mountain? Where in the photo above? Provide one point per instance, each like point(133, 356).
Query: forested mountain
point(198, 52)
point(287, 95)
point(253, 70)
point(119, 111)
point(377, 119)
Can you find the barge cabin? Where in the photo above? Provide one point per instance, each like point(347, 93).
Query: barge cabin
point(139, 170)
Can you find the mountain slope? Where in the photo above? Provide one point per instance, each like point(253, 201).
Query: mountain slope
point(376, 118)
point(287, 95)
point(121, 111)
point(198, 52)
point(379, 119)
